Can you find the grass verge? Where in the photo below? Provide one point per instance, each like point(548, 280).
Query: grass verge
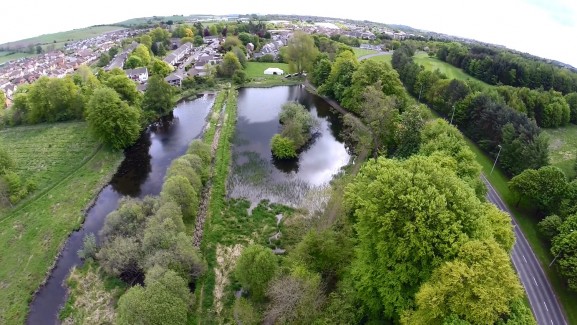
point(31, 237)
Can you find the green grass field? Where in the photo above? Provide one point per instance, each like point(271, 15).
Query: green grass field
point(384, 58)
point(71, 169)
point(62, 37)
point(421, 58)
point(563, 148)
point(362, 52)
point(256, 69)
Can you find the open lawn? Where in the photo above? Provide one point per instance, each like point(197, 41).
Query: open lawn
point(362, 52)
point(68, 36)
point(385, 58)
point(421, 58)
point(563, 148)
point(70, 169)
point(256, 69)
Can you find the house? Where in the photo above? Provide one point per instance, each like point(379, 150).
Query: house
point(274, 71)
point(174, 80)
point(138, 74)
point(177, 55)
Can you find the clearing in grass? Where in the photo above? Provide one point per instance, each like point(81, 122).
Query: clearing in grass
point(431, 63)
point(563, 148)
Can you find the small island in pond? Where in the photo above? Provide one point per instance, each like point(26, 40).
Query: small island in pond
point(297, 125)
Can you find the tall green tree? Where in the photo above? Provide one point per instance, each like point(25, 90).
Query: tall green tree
point(113, 121)
point(229, 65)
point(544, 187)
point(302, 52)
point(126, 88)
point(160, 35)
point(565, 248)
point(146, 40)
point(179, 190)
point(321, 71)
point(143, 53)
point(256, 266)
point(164, 299)
point(410, 216)
point(380, 114)
point(341, 76)
point(159, 67)
point(133, 62)
point(478, 287)
point(158, 97)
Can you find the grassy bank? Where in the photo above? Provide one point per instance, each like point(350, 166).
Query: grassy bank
point(382, 58)
point(528, 223)
point(362, 52)
point(31, 237)
point(431, 63)
point(563, 148)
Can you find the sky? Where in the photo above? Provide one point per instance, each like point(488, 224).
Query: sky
point(546, 28)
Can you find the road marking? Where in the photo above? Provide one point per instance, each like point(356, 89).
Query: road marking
point(535, 281)
point(544, 303)
point(552, 322)
point(525, 260)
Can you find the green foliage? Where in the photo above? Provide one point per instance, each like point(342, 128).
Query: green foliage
point(549, 226)
point(297, 123)
point(111, 120)
point(411, 216)
point(51, 100)
point(571, 100)
point(198, 41)
point(380, 115)
point(564, 246)
point(6, 161)
point(255, 268)
point(239, 77)
point(159, 67)
point(160, 35)
point(158, 97)
point(245, 313)
point(230, 42)
point(146, 40)
point(164, 300)
point(282, 147)
point(126, 89)
point(201, 149)
point(478, 287)
point(89, 247)
point(103, 60)
point(179, 190)
point(320, 72)
point(183, 167)
point(544, 187)
point(229, 65)
point(301, 52)
point(133, 62)
point(341, 76)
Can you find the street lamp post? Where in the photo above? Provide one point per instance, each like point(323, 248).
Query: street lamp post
point(495, 163)
point(452, 115)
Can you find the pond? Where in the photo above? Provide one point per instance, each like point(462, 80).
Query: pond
point(141, 173)
point(299, 183)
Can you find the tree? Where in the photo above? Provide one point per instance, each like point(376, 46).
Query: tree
point(198, 41)
point(112, 121)
point(126, 89)
point(549, 226)
point(380, 115)
point(164, 300)
point(185, 40)
point(341, 76)
point(239, 77)
point(146, 40)
point(302, 52)
point(564, 246)
point(295, 298)
point(143, 53)
point(113, 51)
point(158, 97)
point(410, 217)
point(571, 100)
point(201, 149)
point(182, 167)
point(231, 42)
point(408, 132)
point(240, 55)
point(282, 147)
point(133, 62)
point(321, 71)
point(478, 287)
point(2, 99)
point(121, 257)
point(103, 60)
point(160, 68)
point(255, 267)
point(179, 190)
point(160, 35)
point(229, 65)
point(544, 187)
point(213, 30)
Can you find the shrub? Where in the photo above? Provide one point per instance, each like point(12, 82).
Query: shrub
point(283, 148)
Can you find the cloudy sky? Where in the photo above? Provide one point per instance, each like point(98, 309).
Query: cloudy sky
point(546, 28)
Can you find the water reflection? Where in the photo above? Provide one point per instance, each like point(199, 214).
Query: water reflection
point(257, 174)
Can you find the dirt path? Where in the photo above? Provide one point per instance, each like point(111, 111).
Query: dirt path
point(207, 190)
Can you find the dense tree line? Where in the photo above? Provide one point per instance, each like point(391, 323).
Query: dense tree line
point(480, 114)
point(498, 67)
point(148, 239)
point(115, 110)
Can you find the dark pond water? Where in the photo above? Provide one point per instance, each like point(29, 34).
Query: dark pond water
point(301, 182)
point(140, 174)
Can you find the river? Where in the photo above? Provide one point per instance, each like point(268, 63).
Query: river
point(141, 173)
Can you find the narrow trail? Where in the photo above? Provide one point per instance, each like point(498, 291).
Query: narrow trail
point(207, 190)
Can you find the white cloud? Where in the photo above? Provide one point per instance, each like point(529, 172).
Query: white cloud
point(540, 27)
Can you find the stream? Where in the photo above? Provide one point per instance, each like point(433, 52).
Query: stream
point(140, 174)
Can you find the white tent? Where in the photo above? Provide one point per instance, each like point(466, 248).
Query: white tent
point(276, 71)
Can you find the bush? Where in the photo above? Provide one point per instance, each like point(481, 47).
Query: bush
point(283, 148)
point(89, 247)
point(239, 77)
point(269, 58)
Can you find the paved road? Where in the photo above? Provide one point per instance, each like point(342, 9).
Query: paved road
point(544, 303)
